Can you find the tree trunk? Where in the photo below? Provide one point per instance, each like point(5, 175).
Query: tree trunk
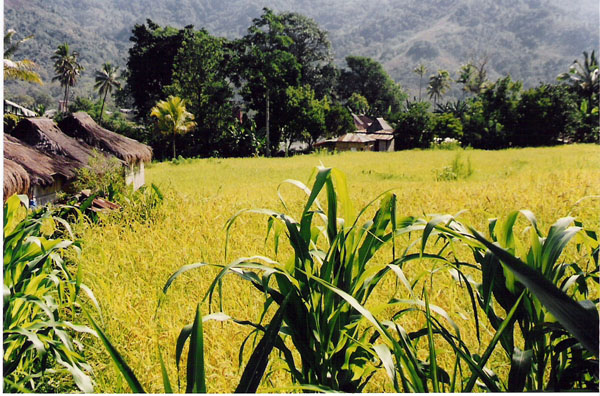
point(66, 101)
point(268, 138)
point(102, 108)
point(420, 84)
point(174, 135)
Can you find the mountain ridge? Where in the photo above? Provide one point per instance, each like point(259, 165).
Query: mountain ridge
point(531, 40)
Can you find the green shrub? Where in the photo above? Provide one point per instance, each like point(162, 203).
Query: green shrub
point(457, 170)
point(104, 175)
point(10, 122)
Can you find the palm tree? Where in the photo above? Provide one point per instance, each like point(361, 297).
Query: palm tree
point(173, 119)
point(438, 85)
point(583, 76)
point(106, 80)
point(420, 70)
point(67, 68)
point(18, 70)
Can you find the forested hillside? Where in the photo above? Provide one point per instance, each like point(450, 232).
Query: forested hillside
point(532, 40)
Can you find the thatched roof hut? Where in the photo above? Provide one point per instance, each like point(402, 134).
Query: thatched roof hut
point(16, 179)
point(44, 135)
point(82, 127)
point(41, 168)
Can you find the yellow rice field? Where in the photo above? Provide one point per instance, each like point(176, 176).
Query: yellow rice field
point(126, 263)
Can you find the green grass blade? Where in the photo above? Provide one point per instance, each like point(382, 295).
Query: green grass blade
point(181, 339)
point(257, 364)
point(196, 378)
point(384, 354)
point(519, 369)
point(432, 353)
point(165, 375)
point(490, 348)
point(122, 366)
point(581, 323)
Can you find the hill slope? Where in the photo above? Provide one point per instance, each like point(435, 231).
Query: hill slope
point(533, 40)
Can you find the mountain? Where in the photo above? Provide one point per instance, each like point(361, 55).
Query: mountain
point(532, 40)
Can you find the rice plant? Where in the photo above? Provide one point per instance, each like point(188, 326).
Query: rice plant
point(41, 301)
point(199, 197)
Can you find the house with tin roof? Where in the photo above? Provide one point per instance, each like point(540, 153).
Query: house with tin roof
point(369, 135)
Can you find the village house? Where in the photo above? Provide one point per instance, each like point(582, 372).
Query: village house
point(41, 158)
point(369, 135)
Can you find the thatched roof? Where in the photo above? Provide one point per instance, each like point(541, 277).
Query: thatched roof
point(44, 135)
point(41, 168)
point(16, 179)
point(82, 127)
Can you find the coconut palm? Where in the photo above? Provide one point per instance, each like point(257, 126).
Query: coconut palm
point(583, 76)
point(173, 119)
point(420, 70)
point(438, 85)
point(18, 70)
point(67, 68)
point(106, 80)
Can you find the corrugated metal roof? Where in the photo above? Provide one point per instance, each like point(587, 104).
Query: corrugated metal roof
point(355, 138)
point(382, 136)
point(380, 125)
point(13, 108)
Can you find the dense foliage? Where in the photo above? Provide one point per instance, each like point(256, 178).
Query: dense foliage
point(398, 34)
point(276, 89)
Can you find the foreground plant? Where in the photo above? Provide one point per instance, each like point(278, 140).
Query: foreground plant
point(550, 300)
point(321, 291)
point(41, 299)
point(316, 302)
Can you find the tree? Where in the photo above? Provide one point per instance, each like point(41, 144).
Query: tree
point(358, 103)
point(438, 85)
point(18, 70)
point(150, 63)
point(491, 121)
point(473, 77)
point(172, 118)
point(547, 115)
point(420, 70)
point(368, 78)
point(265, 69)
point(446, 125)
point(307, 115)
point(106, 80)
point(312, 49)
point(67, 68)
point(200, 76)
point(584, 76)
point(338, 120)
point(413, 126)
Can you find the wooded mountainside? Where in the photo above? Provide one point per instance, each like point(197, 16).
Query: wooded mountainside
point(532, 40)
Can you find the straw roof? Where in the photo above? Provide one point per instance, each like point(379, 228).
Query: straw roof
point(16, 179)
point(82, 127)
point(41, 168)
point(44, 135)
